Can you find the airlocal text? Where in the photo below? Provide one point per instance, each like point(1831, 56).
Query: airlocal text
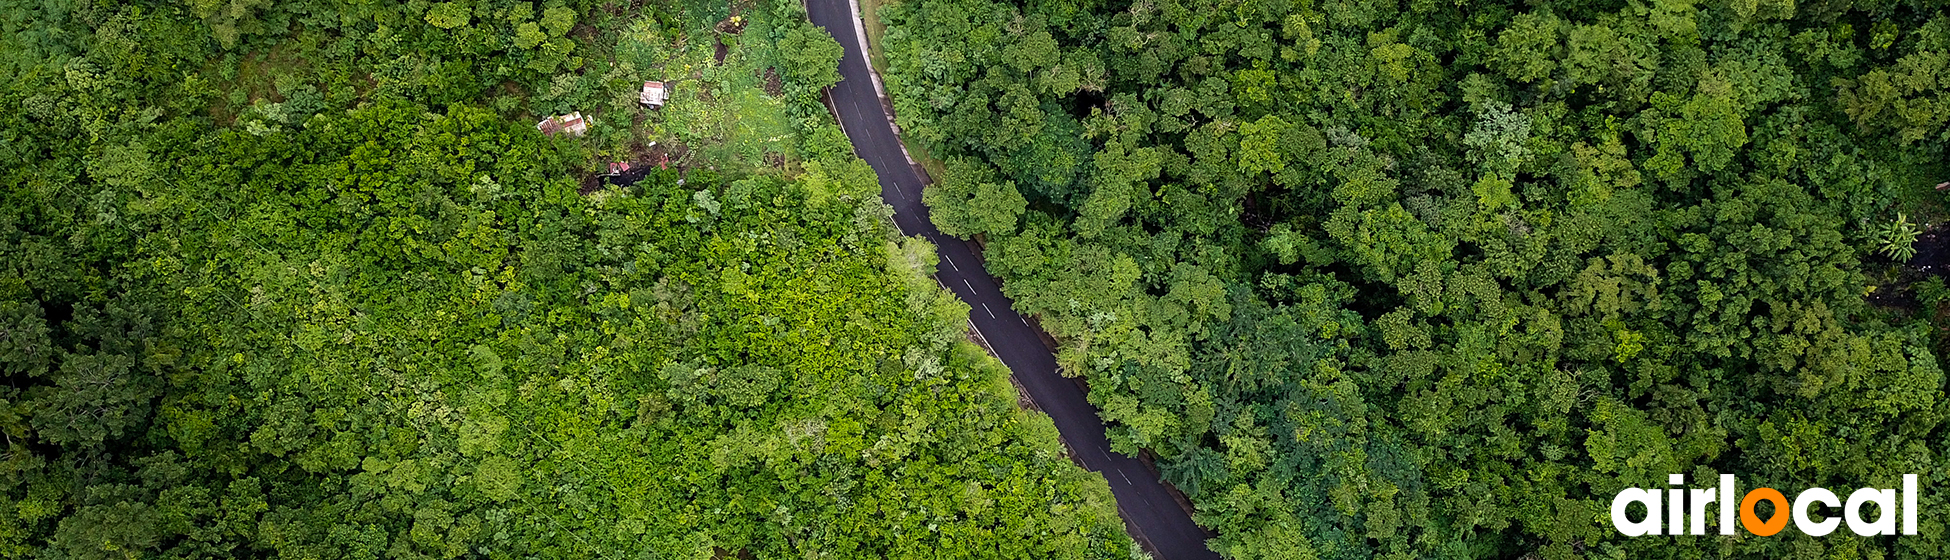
point(1685, 510)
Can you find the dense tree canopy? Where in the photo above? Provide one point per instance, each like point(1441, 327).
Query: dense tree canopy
point(1425, 279)
point(369, 314)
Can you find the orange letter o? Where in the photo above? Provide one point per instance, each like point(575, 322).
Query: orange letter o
point(1752, 522)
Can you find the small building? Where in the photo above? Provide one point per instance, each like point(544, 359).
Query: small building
point(573, 123)
point(654, 95)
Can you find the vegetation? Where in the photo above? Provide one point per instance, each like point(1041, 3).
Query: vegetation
point(301, 279)
point(1898, 239)
point(1426, 279)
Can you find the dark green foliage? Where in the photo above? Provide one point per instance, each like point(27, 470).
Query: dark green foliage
point(1413, 279)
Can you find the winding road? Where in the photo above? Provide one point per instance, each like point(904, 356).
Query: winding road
point(1150, 512)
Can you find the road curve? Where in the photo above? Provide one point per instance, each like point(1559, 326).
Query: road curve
point(1148, 508)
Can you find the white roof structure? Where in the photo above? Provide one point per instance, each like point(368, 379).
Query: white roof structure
point(654, 94)
point(573, 123)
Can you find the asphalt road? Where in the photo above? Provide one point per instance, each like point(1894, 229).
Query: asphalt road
point(1149, 510)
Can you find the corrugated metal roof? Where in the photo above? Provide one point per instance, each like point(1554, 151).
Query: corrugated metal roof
point(573, 123)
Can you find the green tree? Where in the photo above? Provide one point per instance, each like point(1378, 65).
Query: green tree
point(812, 57)
point(448, 15)
point(968, 201)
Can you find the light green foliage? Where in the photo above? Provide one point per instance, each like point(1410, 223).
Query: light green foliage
point(1036, 50)
point(296, 293)
point(522, 370)
point(1498, 138)
point(1436, 280)
point(1907, 97)
point(557, 20)
point(230, 20)
point(1259, 145)
point(968, 200)
point(1897, 239)
point(1529, 47)
point(529, 34)
point(498, 478)
point(811, 56)
point(125, 167)
point(448, 15)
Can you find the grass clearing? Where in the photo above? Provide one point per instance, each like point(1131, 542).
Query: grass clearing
point(720, 112)
point(870, 13)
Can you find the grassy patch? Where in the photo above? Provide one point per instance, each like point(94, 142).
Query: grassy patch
point(870, 13)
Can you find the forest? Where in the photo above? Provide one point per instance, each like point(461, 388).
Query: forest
point(1418, 279)
point(304, 280)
